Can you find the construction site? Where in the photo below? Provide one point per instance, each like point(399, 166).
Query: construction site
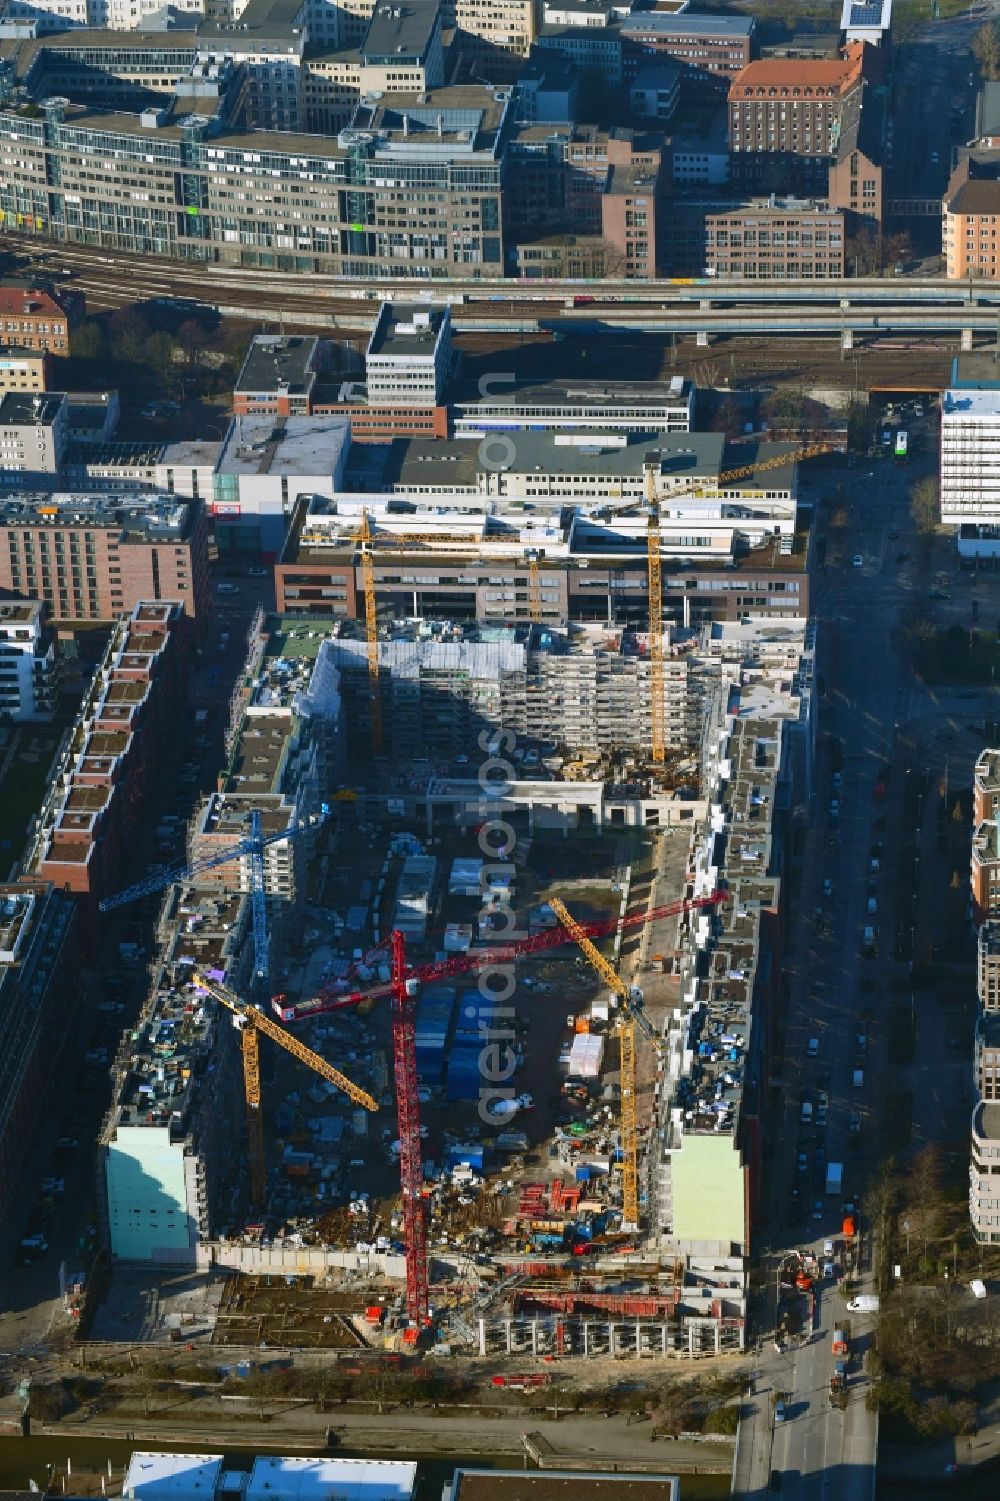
point(462, 1002)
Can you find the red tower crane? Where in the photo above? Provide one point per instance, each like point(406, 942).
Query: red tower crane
point(402, 989)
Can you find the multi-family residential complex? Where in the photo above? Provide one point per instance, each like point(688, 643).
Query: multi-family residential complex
point(94, 557)
point(29, 679)
point(40, 990)
point(84, 838)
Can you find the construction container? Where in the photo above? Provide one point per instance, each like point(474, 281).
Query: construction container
point(581, 1024)
point(466, 876)
point(586, 1056)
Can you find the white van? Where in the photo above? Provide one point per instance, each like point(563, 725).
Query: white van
point(858, 1078)
point(869, 937)
point(807, 1112)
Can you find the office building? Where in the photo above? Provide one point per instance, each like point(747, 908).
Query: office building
point(970, 457)
point(655, 92)
point(710, 50)
point(988, 976)
point(970, 214)
point(595, 50)
point(304, 203)
point(84, 838)
point(494, 33)
point(207, 1477)
point(518, 1485)
point(813, 127)
point(279, 376)
point(24, 369)
point(40, 991)
point(29, 680)
point(590, 406)
point(263, 466)
point(33, 434)
point(583, 181)
point(408, 359)
point(32, 318)
point(94, 557)
point(761, 240)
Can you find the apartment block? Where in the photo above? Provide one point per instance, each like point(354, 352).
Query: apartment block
point(985, 871)
point(171, 1152)
point(711, 50)
point(84, 839)
point(94, 557)
point(984, 1170)
point(408, 359)
point(29, 678)
point(40, 991)
point(988, 972)
point(24, 369)
point(36, 319)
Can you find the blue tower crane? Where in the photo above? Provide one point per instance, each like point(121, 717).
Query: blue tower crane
point(254, 845)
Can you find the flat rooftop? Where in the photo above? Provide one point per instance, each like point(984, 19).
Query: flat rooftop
point(553, 1485)
point(37, 408)
point(162, 515)
point(972, 402)
point(661, 23)
point(400, 33)
point(19, 611)
point(279, 362)
point(407, 330)
point(292, 446)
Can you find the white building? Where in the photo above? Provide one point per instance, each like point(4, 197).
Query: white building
point(408, 358)
point(970, 468)
point(28, 678)
point(202, 1477)
point(866, 21)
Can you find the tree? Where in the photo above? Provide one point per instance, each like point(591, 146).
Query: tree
point(129, 333)
point(986, 50)
point(862, 252)
point(158, 354)
point(924, 505)
point(89, 341)
point(192, 338)
point(925, 1188)
point(896, 248)
point(729, 418)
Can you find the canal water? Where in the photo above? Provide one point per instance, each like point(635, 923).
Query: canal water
point(29, 1459)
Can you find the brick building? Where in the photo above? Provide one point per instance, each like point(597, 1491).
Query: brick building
point(769, 239)
point(33, 318)
point(93, 557)
point(583, 181)
point(711, 50)
point(85, 837)
point(814, 126)
point(970, 217)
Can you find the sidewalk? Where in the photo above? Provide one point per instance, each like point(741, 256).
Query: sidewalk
point(424, 1433)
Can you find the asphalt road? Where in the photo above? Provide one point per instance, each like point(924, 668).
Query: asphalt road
point(871, 699)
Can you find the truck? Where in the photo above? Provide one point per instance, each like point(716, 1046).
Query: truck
point(834, 1177)
point(838, 1377)
point(841, 1341)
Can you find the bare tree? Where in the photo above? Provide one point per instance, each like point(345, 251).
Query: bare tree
point(924, 505)
point(986, 50)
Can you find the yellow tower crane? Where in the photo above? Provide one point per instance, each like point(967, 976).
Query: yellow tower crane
point(252, 1022)
point(534, 585)
point(632, 1016)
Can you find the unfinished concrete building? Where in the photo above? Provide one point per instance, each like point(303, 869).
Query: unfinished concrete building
point(172, 1151)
